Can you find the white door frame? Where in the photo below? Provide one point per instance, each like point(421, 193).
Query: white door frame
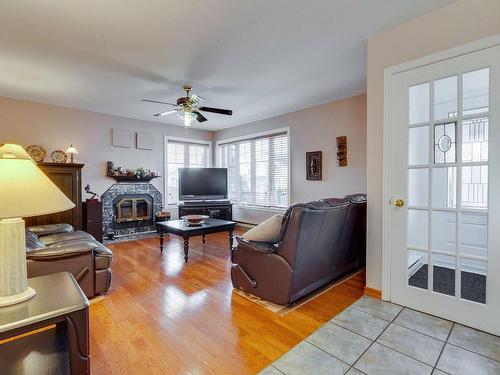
point(387, 152)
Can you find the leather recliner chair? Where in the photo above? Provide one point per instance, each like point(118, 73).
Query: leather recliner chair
point(321, 241)
point(57, 248)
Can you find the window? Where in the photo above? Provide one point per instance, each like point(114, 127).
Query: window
point(257, 170)
point(183, 154)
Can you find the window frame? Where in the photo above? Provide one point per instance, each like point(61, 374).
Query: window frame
point(166, 139)
point(249, 137)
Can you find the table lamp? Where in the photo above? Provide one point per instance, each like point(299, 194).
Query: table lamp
point(72, 151)
point(24, 191)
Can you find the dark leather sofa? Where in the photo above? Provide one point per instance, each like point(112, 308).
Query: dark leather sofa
point(321, 241)
point(57, 247)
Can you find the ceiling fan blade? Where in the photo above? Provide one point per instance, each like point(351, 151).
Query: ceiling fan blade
point(156, 101)
point(161, 114)
point(220, 111)
point(200, 117)
point(197, 99)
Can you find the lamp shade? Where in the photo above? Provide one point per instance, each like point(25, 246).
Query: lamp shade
point(24, 189)
point(72, 150)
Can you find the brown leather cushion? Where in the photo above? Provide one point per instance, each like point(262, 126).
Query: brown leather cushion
point(102, 256)
point(32, 241)
point(41, 230)
point(66, 236)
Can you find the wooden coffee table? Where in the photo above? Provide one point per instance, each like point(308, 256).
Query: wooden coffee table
point(186, 231)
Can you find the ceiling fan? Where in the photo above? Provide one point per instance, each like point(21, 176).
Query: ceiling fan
point(188, 108)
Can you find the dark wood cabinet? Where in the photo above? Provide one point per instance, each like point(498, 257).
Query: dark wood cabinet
point(216, 210)
point(68, 178)
point(92, 219)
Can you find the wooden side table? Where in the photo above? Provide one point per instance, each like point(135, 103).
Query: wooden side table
point(92, 219)
point(59, 301)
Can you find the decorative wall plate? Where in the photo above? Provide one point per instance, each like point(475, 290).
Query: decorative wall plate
point(36, 152)
point(58, 156)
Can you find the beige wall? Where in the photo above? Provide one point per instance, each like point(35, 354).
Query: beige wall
point(316, 129)
point(55, 128)
point(451, 26)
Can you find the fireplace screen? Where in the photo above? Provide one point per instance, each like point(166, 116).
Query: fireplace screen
point(133, 209)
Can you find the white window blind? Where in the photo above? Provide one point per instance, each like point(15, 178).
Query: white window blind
point(257, 170)
point(183, 155)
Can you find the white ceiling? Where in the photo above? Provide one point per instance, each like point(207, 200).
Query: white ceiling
point(260, 58)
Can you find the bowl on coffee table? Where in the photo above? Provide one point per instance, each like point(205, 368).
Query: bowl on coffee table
point(194, 220)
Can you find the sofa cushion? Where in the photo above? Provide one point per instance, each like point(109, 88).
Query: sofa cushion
point(356, 198)
point(268, 231)
point(64, 237)
point(32, 241)
point(333, 202)
point(60, 250)
point(42, 230)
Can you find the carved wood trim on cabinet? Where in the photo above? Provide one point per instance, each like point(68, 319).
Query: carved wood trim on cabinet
point(68, 178)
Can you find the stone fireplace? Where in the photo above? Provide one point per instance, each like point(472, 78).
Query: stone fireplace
point(130, 208)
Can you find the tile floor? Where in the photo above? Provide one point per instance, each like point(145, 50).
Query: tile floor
point(373, 337)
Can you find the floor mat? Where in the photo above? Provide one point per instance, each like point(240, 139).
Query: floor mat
point(473, 284)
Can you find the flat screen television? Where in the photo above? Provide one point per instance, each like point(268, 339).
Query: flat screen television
point(202, 183)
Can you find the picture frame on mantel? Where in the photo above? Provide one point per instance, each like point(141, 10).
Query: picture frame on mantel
point(314, 167)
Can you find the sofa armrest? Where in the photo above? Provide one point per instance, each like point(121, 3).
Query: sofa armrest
point(42, 230)
point(261, 247)
point(61, 250)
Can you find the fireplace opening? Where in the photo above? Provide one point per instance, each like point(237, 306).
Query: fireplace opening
point(132, 209)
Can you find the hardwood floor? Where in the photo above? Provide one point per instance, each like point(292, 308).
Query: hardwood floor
point(163, 316)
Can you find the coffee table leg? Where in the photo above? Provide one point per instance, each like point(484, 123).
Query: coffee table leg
point(230, 240)
point(203, 238)
point(186, 248)
point(162, 235)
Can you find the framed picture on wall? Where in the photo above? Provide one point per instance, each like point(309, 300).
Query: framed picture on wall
point(313, 166)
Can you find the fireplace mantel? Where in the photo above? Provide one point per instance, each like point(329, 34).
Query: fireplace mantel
point(133, 179)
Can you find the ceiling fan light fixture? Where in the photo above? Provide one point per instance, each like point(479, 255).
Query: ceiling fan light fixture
point(187, 117)
point(188, 108)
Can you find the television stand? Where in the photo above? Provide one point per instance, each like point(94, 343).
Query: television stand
point(217, 209)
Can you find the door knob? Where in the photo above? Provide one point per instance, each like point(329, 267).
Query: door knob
point(399, 203)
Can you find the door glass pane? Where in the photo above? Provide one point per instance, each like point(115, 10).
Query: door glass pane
point(475, 186)
point(444, 187)
point(418, 146)
point(444, 143)
point(418, 229)
point(444, 231)
point(476, 87)
point(443, 274)
point(475, 139)
point(445, 98)
point(418, 187)
point(473, 280)
point(474, 234)
point(419, 103)
point(418, 269)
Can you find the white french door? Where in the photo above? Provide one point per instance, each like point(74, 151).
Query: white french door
point(444, 147)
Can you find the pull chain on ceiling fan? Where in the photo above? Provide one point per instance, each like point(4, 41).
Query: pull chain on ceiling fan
point(188, 108)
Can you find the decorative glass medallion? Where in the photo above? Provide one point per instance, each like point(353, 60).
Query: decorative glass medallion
point(444, 143)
